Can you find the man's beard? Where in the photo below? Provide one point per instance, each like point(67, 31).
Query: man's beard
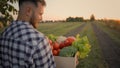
point(32, 22)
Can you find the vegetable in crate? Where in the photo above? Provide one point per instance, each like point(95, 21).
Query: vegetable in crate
point(69, 51)
point(82, 45)
point(61, 39)
point(52, 37)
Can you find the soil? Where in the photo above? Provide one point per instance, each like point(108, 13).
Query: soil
point(110, 48)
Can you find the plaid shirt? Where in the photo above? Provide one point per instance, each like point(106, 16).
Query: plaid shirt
point(22, 46)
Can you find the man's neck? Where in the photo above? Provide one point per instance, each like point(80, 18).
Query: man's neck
point(22, 18)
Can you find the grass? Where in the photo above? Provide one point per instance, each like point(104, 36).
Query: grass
point(95, 58)
point(57, 28)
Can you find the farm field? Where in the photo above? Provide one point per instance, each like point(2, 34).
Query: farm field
point(105, 42)
point(114, 34)
point(97, 57)
point(110, 47)
point(58, 28)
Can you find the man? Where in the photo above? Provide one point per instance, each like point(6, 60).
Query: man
point(21, 45)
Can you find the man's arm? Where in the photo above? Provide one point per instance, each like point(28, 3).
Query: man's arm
point(43, 56)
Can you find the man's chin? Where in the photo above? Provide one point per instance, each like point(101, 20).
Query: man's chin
point(36, 26)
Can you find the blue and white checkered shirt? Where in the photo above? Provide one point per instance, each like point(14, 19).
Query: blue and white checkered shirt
point(22, 46)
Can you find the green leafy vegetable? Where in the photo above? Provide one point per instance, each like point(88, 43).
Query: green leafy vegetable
point(52, 37)
point(69, 51)
point(82, 45)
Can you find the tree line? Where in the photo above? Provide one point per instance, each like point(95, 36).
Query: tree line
point(80, 19)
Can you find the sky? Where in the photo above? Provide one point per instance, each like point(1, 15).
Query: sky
point(61, 9)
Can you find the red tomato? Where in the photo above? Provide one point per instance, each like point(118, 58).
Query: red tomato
point(50, 41)
point(55, 52)
point(69, 40)
point(61, 45)
point(58, 51)
point(55, 45)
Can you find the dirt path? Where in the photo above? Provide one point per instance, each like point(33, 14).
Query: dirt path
point(75, 31)
point(110, 49)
